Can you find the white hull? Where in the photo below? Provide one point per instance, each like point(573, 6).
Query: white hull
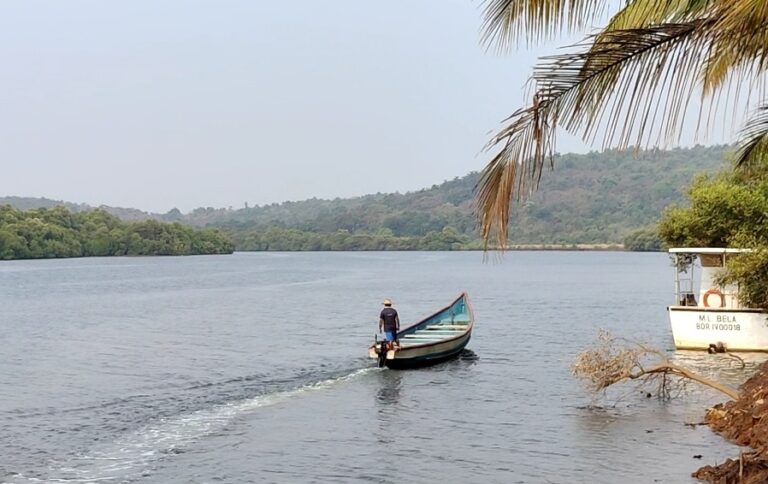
point(423, 351)
point(696, 328)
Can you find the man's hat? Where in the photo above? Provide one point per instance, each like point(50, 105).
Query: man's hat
point(387, 302)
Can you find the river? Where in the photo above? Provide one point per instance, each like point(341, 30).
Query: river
point(252, 368)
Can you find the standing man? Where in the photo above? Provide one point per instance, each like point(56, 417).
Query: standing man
point(389, 322)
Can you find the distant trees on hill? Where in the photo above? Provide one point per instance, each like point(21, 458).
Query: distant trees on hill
point(296, 240)
point(58, 232)
point(593, 198)
point(645, 239)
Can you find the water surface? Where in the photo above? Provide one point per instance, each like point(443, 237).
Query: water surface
point(252, 368)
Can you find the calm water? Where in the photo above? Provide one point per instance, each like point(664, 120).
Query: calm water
point(252, 368)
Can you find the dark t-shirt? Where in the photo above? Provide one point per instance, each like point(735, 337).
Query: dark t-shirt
point(389, 315)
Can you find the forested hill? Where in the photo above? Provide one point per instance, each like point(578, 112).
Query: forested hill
point(589, 199)
point(128, 214)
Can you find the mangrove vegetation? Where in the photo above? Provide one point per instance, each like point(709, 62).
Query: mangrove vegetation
point(58, 232)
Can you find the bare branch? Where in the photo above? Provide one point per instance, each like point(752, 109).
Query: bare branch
point(615, 360)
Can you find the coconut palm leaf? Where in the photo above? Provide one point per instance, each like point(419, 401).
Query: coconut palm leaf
point(753, 146)
point(639, 70)
point(741, 48)
point(638, 14)
point(508, 20)
point(632, 83)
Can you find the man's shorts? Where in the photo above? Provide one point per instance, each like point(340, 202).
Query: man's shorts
point(390, 335)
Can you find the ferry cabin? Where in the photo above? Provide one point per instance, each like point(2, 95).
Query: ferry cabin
point(707, 315)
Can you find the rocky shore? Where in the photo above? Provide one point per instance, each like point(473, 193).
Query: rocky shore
point(744, 422)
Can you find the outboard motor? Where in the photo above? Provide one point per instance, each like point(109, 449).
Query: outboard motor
point(382, 353)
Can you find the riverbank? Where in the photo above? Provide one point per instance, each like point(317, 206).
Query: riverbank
point(468, 248)
point(743, 422)
point(585, 247)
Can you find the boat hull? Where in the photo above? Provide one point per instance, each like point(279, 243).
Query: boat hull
point(417, 357)
point(436, 338)
point(696, 328)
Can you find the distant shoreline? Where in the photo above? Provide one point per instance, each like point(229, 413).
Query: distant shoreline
point(515, 248)
point(576, 247)
point(511, 248)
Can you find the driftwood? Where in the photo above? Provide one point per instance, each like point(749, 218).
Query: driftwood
point(614, 360)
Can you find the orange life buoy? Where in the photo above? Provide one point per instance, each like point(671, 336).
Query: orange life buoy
point(711, 291)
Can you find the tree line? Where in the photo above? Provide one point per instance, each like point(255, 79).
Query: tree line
point(593, 198)
point(611, 197)
point(281, 239)
point(58, 232)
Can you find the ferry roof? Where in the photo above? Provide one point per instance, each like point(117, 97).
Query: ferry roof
point(705, 250)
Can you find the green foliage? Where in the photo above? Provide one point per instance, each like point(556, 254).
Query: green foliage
point(57, 232)
point(645, 239)
point(729, 209)
point(750, 272)
point(281, 239)
point(724, 211)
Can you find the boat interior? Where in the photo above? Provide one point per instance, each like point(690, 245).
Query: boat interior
point(696, 278)
point(437, 328)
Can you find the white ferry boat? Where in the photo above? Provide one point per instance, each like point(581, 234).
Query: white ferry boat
point(708, 316)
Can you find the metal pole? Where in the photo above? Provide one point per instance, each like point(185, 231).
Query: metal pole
point(677, 280)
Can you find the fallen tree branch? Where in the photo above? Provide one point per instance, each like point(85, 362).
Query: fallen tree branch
point(671, 368)
point(616, 359)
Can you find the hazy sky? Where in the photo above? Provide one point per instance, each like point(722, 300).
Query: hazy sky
point(184, 103)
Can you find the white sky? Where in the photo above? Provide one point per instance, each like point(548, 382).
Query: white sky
point(187, 103)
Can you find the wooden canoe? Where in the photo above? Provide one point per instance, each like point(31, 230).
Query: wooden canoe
point(436, 338)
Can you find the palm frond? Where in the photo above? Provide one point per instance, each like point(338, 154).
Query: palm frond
point(741, 45)
point(740, 15)
point(529, 136)
point(632, 82)
point(638, 14)
point(508, 20)
point(629, 67)
point(753, 144)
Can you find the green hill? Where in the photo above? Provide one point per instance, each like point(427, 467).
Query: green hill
point(128, 214)
point(592, 198)
point(588, 199)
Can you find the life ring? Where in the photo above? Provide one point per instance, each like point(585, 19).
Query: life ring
point(710, 292)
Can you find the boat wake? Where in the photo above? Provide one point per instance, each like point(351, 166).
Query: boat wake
point(133, 454)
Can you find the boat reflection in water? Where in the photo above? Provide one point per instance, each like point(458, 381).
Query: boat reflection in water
point(389, 392)
point(724, 368)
